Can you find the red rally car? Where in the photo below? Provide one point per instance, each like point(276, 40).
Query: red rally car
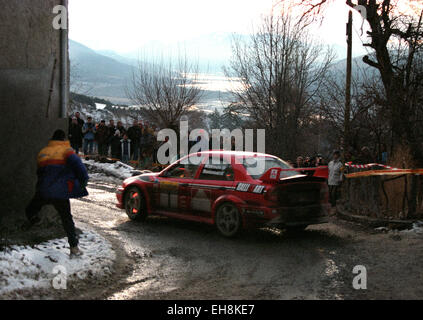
point(229, 189)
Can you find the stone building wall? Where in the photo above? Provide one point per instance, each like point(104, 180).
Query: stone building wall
point(29, 46)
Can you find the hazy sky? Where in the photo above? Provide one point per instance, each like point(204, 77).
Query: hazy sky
point(125, 25)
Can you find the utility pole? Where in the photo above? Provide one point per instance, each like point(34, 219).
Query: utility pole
point(348, 86)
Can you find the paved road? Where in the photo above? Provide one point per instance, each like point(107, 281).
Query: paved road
point(180, 260)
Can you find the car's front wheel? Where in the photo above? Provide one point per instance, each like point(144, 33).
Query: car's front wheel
point(135, 204)
point(228, 220)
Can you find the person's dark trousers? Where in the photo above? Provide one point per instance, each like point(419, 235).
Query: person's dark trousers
point(135, 151)
point(62, 207)
point(102, 149)
point(76, 147)
point(88, 146)
point(333, 195)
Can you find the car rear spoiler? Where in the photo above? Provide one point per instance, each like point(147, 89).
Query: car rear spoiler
point(276, 175)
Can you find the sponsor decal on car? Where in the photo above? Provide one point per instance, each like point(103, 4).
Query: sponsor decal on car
point(259, 189)
point(245, 187)
point(216, 173)
point(274, 174)
point(168, 185)
point(212, 167)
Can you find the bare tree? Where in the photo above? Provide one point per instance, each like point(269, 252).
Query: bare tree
point(367, 117)
point(280, 68)
point(165, 91)
point(396, 39)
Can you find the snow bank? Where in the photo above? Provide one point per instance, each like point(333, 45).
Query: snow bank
point(417, 229)
point(109, 172)
point(23, 267)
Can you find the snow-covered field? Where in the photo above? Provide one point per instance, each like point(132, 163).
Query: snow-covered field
point(48, 264)
point(108, 172)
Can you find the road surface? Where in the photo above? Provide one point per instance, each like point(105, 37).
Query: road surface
point(170, 259)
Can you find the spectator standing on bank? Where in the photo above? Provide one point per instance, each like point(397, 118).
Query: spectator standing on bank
point(155, 142)
point(121, 128)
point(134, 134)
point(335, 177)
point(102, 136)
point(78, 118)
point(75, 135)
point(349, 156)
point(111, 132)
point(307, 162)
point(89, 135)
point(366, 156)
point(146, 142)
point(299, 163)
point(125, 149)
point(115, 145)
point(384, 154)
point(80, 121)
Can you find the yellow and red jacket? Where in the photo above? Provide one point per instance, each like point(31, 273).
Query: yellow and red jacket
point(61, 173)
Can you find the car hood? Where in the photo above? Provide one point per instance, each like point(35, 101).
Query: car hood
point(147, 177)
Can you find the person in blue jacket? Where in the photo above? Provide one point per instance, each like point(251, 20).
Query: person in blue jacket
point(61, 176)
point(89, 130)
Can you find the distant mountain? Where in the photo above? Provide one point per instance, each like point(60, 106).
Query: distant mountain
point(120, 58)
point(341, 51)
point(105, 74)
point(95, 66)
point(360, 70)
point(212, 51)
point(98, 74)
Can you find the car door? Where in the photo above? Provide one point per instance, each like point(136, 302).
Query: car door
point(174, 187)
point(214, 179)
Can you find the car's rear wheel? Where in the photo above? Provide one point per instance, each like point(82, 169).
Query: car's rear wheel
point(228, 220)
point(135, 204)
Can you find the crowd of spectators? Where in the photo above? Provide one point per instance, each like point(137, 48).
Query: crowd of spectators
point(351, 156)
point(137, 143)
point(308, 162)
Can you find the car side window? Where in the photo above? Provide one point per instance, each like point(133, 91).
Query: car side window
point(221, 171)
point(182, 171)
point(186, 170)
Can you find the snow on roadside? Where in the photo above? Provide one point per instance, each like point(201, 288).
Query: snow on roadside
point(101, 177)
point(109, 172)
point(417, 229)
point(35, 267)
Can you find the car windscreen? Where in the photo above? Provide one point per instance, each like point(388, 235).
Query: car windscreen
point(257, 166)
